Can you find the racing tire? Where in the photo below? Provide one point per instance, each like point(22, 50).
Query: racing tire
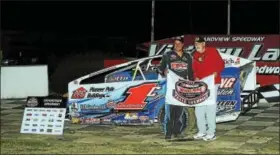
point(188, 119)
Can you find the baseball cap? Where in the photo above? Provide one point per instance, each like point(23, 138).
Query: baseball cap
point(179, 38)
point(199, 39)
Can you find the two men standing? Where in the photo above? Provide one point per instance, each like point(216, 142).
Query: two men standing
point(205, 62)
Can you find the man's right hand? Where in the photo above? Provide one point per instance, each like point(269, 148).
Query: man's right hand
point(196, 79)
point(165, 72)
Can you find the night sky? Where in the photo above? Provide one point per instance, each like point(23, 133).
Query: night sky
point(133, 18)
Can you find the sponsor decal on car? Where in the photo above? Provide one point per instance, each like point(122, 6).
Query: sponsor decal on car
point(99, 92)
point(79, 93)
point(143, 118)
point(231, 61)
point(111, 104)
point(135, 96)
point(227, 86)
point(117, 78)
point(90, 120)
point(131, 116)
point(92, 107)
point(226, 106)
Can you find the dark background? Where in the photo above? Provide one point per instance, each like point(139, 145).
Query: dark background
point(133, 19)
point(77, 32)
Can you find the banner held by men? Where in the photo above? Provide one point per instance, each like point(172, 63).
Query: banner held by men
point(184, 92)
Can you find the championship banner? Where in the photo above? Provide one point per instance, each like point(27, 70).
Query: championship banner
point(183, 92)
point(44, 115)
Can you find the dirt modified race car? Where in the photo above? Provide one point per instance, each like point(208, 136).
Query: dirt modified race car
point(133, 93)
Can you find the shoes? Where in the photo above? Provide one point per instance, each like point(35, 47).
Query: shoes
point(199, 136)
point(168, 138)
point(179, 136)
point(209, 137)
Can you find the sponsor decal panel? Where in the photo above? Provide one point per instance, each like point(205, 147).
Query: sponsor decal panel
point(90, 120)
point(226, 106)
point(227, 87)
point(131, 116)
point(45, 121)
point(79, 93)
point(143, 118)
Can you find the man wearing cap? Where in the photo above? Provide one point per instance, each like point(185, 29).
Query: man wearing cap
point(206, 61)
point(180, 63)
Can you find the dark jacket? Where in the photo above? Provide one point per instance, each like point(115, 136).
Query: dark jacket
point(182, 66)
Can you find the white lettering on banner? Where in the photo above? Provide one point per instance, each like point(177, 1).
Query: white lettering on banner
point(247, 39)
point(234, 39)
point(268, 70)
point(190, 93)
point(215, 39)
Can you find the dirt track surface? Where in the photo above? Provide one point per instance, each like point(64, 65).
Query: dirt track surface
point(255, 133)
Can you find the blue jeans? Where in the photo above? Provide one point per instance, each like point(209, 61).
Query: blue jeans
point(166, 117)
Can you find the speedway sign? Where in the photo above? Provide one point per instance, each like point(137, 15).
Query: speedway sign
point(264, 49)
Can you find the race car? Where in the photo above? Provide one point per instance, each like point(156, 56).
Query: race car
point(133, 93)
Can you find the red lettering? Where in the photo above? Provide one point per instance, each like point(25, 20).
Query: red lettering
point(137, 96)
point(227, 82)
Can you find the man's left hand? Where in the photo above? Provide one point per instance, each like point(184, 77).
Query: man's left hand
point(215, 74)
